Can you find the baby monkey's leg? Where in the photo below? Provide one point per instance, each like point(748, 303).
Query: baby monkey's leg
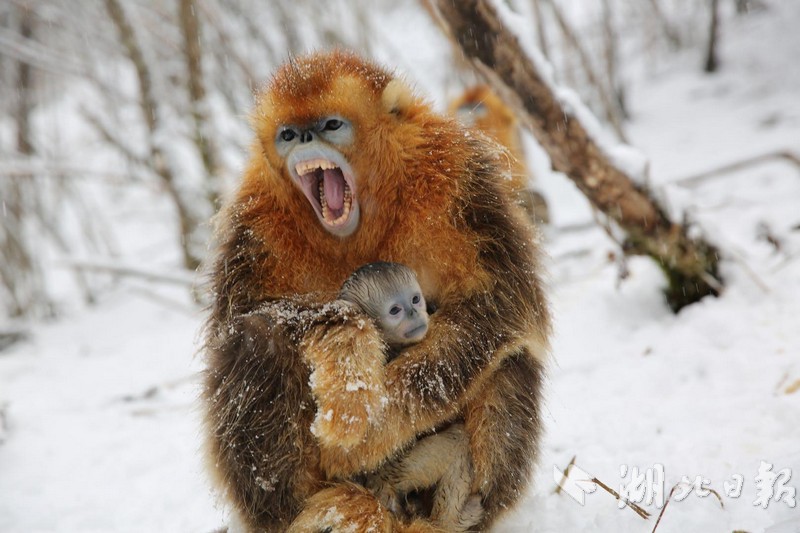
point(454, 508)
point(444, 460)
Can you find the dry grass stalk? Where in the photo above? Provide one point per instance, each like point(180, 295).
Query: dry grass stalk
point(636, 508)
point(669, 497)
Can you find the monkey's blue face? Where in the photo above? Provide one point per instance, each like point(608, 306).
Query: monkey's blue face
point(404, 318)
point(321, 172)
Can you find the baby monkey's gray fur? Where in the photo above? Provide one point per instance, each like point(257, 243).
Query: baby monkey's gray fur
point(389, 293)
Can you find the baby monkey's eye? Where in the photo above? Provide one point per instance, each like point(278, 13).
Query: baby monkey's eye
point(288, 135)
point(333, 124)
point(395, 310)
point(415, 300)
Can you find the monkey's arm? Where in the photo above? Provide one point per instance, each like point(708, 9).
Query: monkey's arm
point(347, 373)
point(260, 408)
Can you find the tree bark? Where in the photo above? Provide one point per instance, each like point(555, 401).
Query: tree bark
point(20, 274)
point(690, 264)
point(190, 27)
point(712, 59)
point(672, 34)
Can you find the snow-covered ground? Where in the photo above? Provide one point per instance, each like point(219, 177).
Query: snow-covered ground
point(99, 419)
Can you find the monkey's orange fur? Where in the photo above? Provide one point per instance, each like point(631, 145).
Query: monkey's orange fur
point(494, 118)
point(281, 360)
point(499, 123)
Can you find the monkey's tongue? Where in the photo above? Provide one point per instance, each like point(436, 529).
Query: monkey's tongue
point(334, 184)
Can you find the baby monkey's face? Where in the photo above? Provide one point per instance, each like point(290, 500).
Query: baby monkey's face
point(403, 316)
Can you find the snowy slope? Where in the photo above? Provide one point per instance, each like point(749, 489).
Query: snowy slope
point(102, 423)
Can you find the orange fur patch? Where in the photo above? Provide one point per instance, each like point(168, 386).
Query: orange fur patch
point(498, 122)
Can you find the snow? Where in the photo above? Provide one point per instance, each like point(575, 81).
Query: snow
point(102, 426)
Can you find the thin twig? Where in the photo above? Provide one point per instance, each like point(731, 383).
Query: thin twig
point(749, 271)
point(696, 179)
point(669, 497)
point(184, 277)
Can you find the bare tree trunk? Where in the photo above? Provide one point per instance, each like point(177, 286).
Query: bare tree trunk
point(611, 54)
point(672, 35)
point(190, 27)
point(19, 272)
point(742, 7)
point(25, 92)
point(712, 61)
point(690, 265)
point(186, 221)
point(287, 22)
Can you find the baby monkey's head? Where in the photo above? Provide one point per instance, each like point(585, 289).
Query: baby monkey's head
point(389, 293)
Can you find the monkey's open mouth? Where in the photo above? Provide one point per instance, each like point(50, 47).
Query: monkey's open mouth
point(332, 193)
point(328, 186)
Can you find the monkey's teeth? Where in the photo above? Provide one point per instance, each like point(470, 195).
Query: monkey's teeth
point(327, 215)
point(304, 167)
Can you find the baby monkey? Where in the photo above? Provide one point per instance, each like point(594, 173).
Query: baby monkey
point(389, 293)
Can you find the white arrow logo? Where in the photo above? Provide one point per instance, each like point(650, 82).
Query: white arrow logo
point(574, 482)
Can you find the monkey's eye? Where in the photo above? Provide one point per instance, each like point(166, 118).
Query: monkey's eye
point(288, 135)
point(416, 299)
point(395, 310)
point(333, 124)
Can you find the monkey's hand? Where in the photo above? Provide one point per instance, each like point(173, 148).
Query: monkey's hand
point(385, 492)
point(346, 355)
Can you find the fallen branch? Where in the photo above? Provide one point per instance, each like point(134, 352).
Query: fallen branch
point(689, 264)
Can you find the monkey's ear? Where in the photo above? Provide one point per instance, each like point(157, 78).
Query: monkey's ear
point(396, 97)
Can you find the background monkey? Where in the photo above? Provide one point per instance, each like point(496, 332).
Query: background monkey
point(389, 293)
point(348, 167)
point(481, 108)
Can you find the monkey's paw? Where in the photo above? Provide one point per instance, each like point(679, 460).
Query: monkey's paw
point(385, 492)
point(471, 514)
point(340, 509)
point(347, 379)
